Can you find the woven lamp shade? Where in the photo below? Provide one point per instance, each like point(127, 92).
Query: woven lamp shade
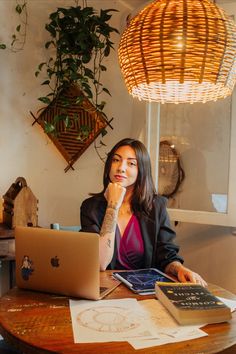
point(177, 51)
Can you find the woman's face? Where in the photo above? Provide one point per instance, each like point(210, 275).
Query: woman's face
point(124, 167)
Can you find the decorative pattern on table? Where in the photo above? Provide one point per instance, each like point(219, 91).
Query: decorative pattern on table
point(86, 123)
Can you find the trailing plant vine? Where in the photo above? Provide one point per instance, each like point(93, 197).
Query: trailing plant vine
point(19, 36)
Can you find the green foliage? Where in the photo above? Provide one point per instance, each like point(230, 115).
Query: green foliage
point(19, 37)
point(80, 40)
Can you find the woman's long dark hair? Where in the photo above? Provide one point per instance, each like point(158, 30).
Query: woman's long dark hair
point(144, 189)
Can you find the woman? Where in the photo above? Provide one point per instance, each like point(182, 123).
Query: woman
point(131, 218)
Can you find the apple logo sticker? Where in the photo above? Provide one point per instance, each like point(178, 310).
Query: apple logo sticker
point(55, 261)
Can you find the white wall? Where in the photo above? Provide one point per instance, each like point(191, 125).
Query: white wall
point(26, 151)
point(210, 251)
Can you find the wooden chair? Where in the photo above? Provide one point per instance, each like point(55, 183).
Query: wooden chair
point(57, 226)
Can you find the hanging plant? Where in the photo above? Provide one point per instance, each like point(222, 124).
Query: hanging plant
point(81, 41)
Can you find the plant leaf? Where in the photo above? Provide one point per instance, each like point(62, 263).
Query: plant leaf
point(49, 128)
point(67, 121)
point(47, 44)
point(41, 65)
point(79, 100)
point(103, 132)
point(47, 82)
point(106, 90)
point(102, 67)
point(18, 9)
point(45, 100)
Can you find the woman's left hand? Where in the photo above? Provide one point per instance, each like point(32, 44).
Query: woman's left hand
point(184, 274)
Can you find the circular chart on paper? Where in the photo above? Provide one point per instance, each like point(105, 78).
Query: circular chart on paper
point(107, 319)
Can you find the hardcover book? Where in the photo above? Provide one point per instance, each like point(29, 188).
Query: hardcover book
point(191, 303)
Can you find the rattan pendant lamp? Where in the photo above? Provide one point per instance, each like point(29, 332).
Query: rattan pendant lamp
point(178, 51)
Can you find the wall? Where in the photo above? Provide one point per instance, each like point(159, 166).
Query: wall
point(26, 151)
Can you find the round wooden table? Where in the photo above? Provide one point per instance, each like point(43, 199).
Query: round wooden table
point(40, 323)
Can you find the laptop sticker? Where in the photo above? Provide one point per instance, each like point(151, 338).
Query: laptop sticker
point(26, 268)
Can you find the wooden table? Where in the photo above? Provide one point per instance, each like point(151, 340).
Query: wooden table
point(40, 323)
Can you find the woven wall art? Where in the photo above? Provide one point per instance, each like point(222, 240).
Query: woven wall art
point(86, 124)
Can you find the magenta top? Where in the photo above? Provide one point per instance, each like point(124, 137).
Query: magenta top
point(130, 247)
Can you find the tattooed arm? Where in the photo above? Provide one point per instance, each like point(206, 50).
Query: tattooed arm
point(114, 195)
point(107, 237)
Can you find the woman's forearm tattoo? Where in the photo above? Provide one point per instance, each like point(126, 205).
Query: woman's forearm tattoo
point(109, 242)
point(109, 222)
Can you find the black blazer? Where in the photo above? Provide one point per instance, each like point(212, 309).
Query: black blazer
point(157, 233)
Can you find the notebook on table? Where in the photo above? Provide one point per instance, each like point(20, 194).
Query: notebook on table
point(59, 262)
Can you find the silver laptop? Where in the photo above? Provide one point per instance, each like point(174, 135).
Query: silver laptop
point(60, 262)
